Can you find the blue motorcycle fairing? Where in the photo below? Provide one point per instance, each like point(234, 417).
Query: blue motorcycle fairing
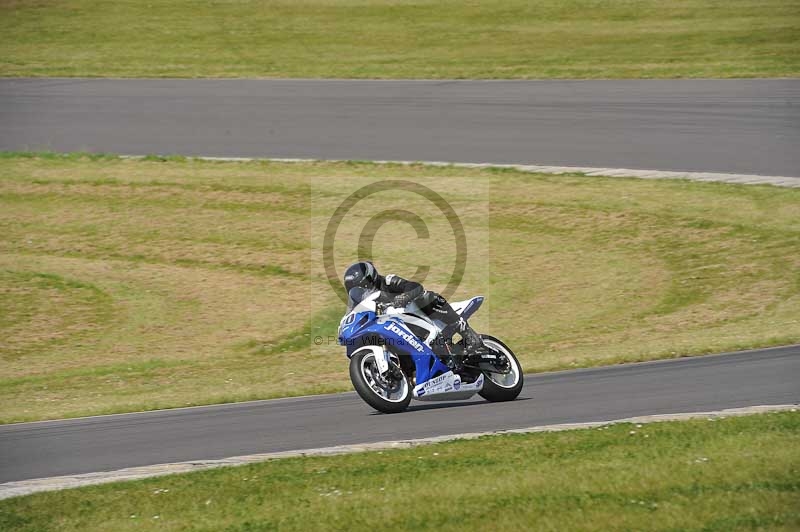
point(352, 325)
point(364, 330)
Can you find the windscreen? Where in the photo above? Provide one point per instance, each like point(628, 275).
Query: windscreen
point(356, 296)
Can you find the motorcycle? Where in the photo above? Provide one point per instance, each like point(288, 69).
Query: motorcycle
point(393, 356)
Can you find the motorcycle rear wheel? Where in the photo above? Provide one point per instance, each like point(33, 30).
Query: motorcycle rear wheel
point(499, 387)
point(389, 396)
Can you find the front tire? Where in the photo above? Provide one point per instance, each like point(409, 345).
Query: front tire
point(388, 395)
point(502, 387)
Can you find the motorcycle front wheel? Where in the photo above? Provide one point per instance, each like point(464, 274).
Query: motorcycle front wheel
point(389, 393)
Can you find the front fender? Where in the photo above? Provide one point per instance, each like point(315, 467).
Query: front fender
point(381, 356)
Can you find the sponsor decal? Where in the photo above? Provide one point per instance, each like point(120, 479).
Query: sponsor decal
point(448, 382)
point(437, 380)
point(408, 337)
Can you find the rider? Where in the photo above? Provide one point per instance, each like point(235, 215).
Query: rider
point(401, 292)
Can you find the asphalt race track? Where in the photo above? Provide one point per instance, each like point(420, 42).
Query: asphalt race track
point(739, 126)
point(44, 449)
point(734, 126)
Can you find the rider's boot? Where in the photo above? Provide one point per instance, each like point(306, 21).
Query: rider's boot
point(472, 340)
point(452, 355)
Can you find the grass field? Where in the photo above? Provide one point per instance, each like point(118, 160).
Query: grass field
point(724, 475)
point(393, 39)
point(130, 284)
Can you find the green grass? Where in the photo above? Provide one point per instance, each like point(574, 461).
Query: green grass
point(141, 284)
point(392, 39)
point(724, 475)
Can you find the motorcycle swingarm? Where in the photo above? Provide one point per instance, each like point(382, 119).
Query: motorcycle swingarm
point(488, 370)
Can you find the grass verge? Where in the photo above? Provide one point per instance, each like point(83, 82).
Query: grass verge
point(717, 475)
point(140, 284)
point(503, 39)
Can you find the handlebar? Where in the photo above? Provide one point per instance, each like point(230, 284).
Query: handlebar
point(381, 308)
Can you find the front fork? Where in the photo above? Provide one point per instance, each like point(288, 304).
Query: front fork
point(382, 355)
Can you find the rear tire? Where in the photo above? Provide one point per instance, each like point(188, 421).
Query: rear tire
point(502, 387)
point(387, 397)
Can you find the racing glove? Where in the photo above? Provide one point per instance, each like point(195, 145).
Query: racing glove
point(401, 301)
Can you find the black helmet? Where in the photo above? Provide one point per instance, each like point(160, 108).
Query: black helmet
point(360, 274)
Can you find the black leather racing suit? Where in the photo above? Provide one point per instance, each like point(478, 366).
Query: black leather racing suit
point(402, 291)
